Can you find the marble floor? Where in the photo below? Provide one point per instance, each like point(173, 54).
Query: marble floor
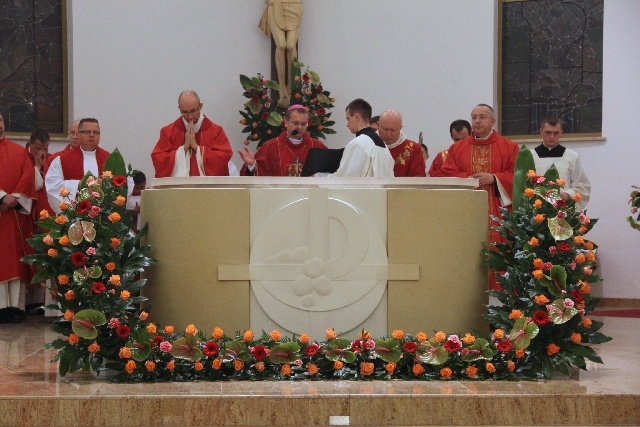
point(32, 394)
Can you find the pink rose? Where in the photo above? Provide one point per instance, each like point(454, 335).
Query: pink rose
point(165, 346)
point(48, 240)
point(114, 323)
point(91, 251)
point(568, 302)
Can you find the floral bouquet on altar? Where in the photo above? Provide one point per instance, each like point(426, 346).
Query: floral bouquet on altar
point(91, 260)
point(547, 268)
point(262, 118)
point(634, 201)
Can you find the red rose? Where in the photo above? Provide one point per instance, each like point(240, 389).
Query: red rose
point(78, 259)
point(83, 207)
point(577, 296)
point(312, 349)
point(564, 247)
point(410, 347)
point(452, 346)
point(504, 346)
point(357, 346)
point(319, 89)
point(259, 352)
point(119, 181)
point(157, 340)
point(211, 348)
point(99, 287)
point(305, 77)
point(255, 98)
point(122, 331)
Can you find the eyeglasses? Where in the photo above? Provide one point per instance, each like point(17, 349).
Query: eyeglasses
point(190, 112)
point(89, 132)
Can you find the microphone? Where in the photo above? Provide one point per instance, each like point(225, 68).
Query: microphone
point(295, 132)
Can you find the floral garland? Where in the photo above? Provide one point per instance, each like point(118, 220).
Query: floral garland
point(92, 259)
point(634, 201)
point(263, 119)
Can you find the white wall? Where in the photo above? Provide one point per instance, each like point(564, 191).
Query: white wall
point(432, 60)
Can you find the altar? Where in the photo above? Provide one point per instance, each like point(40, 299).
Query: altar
point(305, 254)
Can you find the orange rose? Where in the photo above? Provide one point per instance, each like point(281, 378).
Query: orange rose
point(330, 334)
point(191, 330)
point(580, 258)
point(440, 336)
point(588, 245)
point(260, 366)
point(365, 335)
point(561, 182)
point(171, 365)
point(398, 334)
point(541, 300)
point(519, 354)
point(168, 329)
point(198, 366)
point(538, 218)
point(578, 240)
point(586, 322)
point(285, 370)
point(218, 333)
point(534, 241)
point(577, 197)
point(587, 270)
point(511, 366)
point(421, 337)
point(61, 220)
point(73, 339)
point(468, 339)
point(366, 368)
point(63, 279)
point(537, 204)
point(515, 315)
point(107, 174)
point(304, 339)
point(312, 368)
point(217, 364)
point(531, 174)
point(275, 335)
point(472, 371)
point(538, 263)
point(130, 367)
point(529, 192)
point(591, 257)
point(44, 214)
point(110, 266)
point(152, 328)
point(68, 315)
point(446, 373)
point(248, 335)
point(585, 288)
point(582, 229)
point(150, 365)
point(552, 349)
point(64, 240)
point(115, 242)
point(115, 280)
point(238, 364)
point(498, 334)
point(417, 369)
point(576, 338)
point(490, 368)
point(47, 240)
point(125, 353)
point(70, 295)
point(64, 192)
point(143, 315)
point(93, 347)
point(120, 201)
point(390, 367)
point(537, 274)
point(337, 365)
point(124, 295)
point(114, 217)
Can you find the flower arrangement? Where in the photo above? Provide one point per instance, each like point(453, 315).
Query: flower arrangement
point(634, 201)
point(91, 258)
point(263, 119)
point(548, 268)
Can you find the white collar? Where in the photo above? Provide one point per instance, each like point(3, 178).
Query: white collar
point(402, 138)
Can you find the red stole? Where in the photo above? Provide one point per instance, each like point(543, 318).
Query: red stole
point(72, 162)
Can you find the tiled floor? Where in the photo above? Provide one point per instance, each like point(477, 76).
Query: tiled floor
point(31, 393)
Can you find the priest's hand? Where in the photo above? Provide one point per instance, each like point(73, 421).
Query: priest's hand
point(565, 196)
point(39, 157)
point(190, 142)
point(247, 157)
point(9, 201)
point(484, 178)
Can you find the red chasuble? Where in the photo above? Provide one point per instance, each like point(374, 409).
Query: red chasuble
point(279, 157)
point(214, 146)
point(16, 177)
point(436, 166)
point(72, 162)
point(408, 160)
point(42, 201)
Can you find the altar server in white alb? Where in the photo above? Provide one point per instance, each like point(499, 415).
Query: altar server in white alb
point(366, 154)
point(566, 161)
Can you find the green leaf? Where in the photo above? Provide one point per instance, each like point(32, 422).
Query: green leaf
point(523, 332)
point(388, 350)
point(524, 163)
point(82, 274)
point(598, 338)
point(236, 350)
point(552, 173)
point(323, 99)
point(339, 349)
point(559, 277)
point(314, 78)
point(255, 107)
point(272, 84)
point(85, 321)
point(286, 352)
point(81, 230)
point(140, 350)
point(187, 348)
point(480, 349)
point(559, 228)
point(559, 313)
point(274, 119)
point(115, 163)
point(245, 82)
point(432, 352)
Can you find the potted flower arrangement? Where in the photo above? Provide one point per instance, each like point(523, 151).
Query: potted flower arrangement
point(91, 259)
point(634, 201)
point(262, 118)
point(548, 268)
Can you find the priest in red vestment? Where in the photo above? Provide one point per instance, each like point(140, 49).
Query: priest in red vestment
point(286, 154)
point(488, 157)
point(458, 130)
point(67, 170)
point(407, 154)
point(74, 141)
point(38, 152)
point(17, 193)
point(192, 145)
point(436, 166)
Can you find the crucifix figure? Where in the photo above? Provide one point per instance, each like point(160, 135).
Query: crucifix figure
point(281, 20)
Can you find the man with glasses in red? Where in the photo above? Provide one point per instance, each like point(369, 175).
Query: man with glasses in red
point(192, 145)
point(68, 169)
